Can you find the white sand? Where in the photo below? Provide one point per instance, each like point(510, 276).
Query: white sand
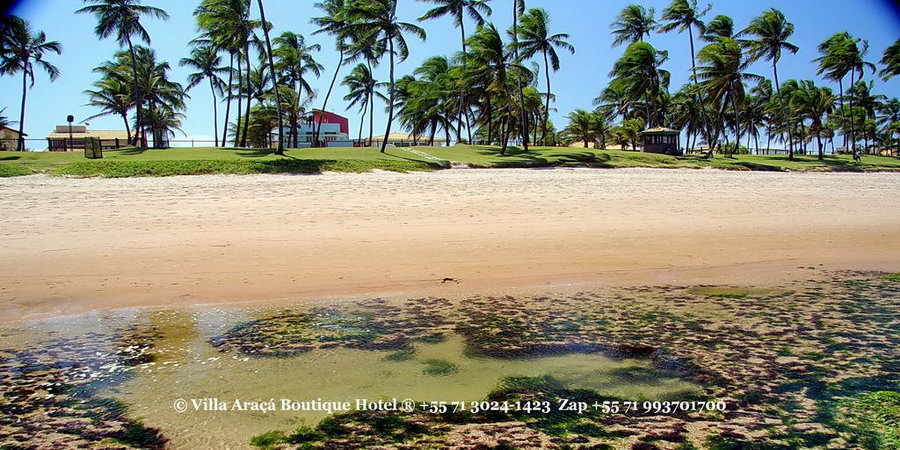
point(71, 245)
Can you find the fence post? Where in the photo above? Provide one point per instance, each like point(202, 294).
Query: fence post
point(117, 143)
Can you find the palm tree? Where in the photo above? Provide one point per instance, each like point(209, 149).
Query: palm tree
point(363, 87)
point(25, 49)
point(491, 68)
point(891, 61)
point(458, 10)
point(633, 22)
point(112, 95)
point(376, 21)
point(719, 27)
point(294, 60)
point(640, 74)
point(207, 63)
point(163, 98)
point(814, 103)
point(335, 22)
point(535, 38)
point(226, 25)
point(685, 15)
point(889, 117)
point(842, 54)
point(270, 57)
point(771, 31)
point(581, 126)
point(722, 72)
point(122, 18)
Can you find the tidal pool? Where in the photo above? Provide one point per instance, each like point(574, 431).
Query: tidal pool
point(188, 367)
point(185, 365)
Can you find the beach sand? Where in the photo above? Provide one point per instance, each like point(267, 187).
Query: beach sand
point(75, 245)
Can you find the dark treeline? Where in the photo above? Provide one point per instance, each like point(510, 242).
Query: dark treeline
point(497, 89)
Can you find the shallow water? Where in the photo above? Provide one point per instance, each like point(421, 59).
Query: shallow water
point(186, 366)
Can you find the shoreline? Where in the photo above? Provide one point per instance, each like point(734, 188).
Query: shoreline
point(78, 245)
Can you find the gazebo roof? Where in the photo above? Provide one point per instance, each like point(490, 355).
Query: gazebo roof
point(660, 130)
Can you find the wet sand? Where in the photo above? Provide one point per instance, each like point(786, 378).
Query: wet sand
point(73, 245)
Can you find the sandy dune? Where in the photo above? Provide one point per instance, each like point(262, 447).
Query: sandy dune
point(74, 245)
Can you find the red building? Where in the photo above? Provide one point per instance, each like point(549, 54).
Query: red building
point(330, 117)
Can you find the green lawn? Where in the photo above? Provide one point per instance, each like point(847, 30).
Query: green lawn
point(192, 161)
point(479, 156)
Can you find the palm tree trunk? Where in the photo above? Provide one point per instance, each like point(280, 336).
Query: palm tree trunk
point(215, 113)
point(228, 100)
point(249, 69)
point(819, 139)
point(519, 79)
point(547, 107)
point(371, 101)
point(783, 113)
point(262, 16)
point(362, 121)
point(127, 127)
point(463, 114)
point(490, 120)
point(504, 123)
point(138, 97)
point(843, 118)
point(240, 105)
point(387, 133)
point(852, 116)
point(317, 128)
point(20, 145)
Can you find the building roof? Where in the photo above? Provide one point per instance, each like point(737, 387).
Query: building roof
point(660, 130)
point(13, 130)
point(102, 134)
point(396, 137)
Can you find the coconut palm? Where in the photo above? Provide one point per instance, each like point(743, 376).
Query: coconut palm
point(112, 96)
point(891, 61)
point(208, 65)
point(335, 22)
point(771, 32)
point(889, 118)
point(122, 18)
point(431, 103)
point(840, 55)
point(686, 15)
point(363, 87)
point(535, 38)
point(163, 98)
point(491, 68)
point(581, 126)
point(226, 24)
point(25, 49)
point(814, 103)
point(518, 11)
point(633, 22)
point(270, 58)
point(458, 10)
point(4, 121)
point(602, 128)
point(642, 78)
point(377, 21)
point(720, 26)
point(294, 59)
point(722, 72)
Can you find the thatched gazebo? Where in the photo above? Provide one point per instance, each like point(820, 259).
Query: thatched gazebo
point(661, 140)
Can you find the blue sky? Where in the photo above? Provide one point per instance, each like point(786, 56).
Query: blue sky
point(580, 79)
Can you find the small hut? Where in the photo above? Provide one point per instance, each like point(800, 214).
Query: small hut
point(661, 140)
